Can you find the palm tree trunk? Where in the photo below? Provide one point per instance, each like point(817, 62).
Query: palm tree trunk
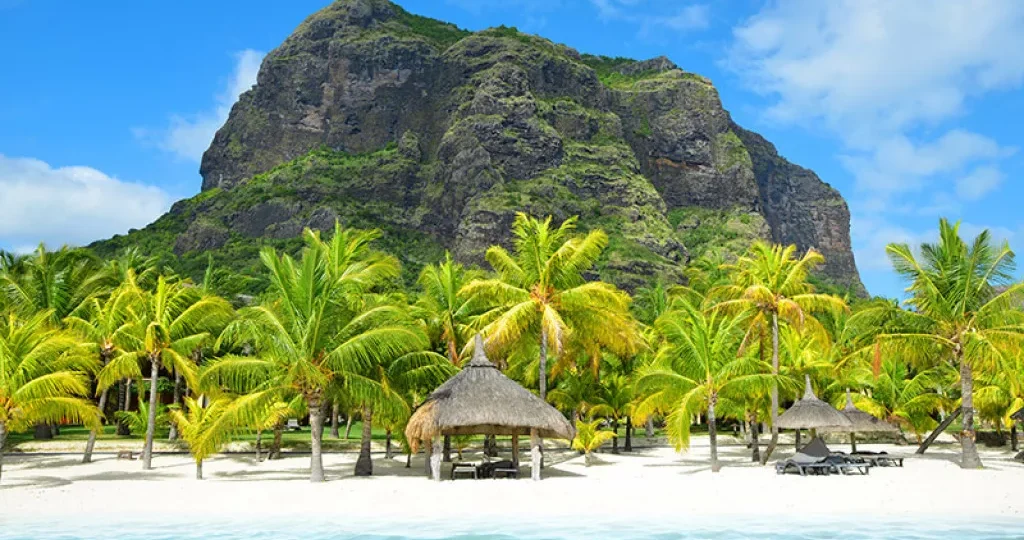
point(199, 469)
point(123, 391)
point(969, 451)
point(774, 412)
point(364, 465)
point(173, 435)
point(335, 412)
point(275, 446)
point(91, 443)
point(543, 370)
point(615, 439)
point(316, 434)
point(629, 434)
point(755, 433)
point(147, 451)
point(713, 433)
point(1013, 436)
point(348, 424)
point(649, 428)
point(3, 440)
point(259, 445)
point(387, 445)
point(937, 431)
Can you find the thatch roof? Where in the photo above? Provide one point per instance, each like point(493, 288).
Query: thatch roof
point(812, 413)
point(480, 399)
point(1018, 416)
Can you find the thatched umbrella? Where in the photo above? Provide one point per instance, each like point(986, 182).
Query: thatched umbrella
point(862, 422)
point(812, 413)
point(481, 400)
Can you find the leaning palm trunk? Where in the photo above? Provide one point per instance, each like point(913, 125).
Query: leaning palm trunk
point(87, 458)
point(316, 432)
point(774, 412)
point(387, 445)
point(364, 465)
point(969, 451)
point(348, 425)
point(199, 469)
point(713, 433)
point(147, 451)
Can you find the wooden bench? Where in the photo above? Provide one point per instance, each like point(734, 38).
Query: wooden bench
point(126, 454)
point(469, 469)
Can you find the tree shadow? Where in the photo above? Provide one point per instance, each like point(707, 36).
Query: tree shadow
point(39, 482)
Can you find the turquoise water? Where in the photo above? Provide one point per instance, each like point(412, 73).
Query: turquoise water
point(732, 528)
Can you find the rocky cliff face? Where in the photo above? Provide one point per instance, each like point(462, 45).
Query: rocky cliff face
point(382, 118)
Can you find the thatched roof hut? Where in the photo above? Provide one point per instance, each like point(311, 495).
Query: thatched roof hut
point(481, 400)
point(812, 413)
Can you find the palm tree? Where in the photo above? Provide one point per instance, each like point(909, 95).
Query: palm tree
point(615, 402)
point(43, 377)
point(104, 326)
point(576, 394)
point(170, 322)
point(448, 311)
point(541, 293)
point(318, 324)
point(204, 428)
point(697, 366)
point(901, 396)
point(957, 312)
point(772, 283)
point(589, 438)
point(58, 282)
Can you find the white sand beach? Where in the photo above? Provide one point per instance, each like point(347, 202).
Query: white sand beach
point(646, 484)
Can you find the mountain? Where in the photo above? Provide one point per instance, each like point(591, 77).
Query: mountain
point(436, 135)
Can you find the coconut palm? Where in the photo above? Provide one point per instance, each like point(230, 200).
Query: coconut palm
point(448, 311)
point(902, 396)
point(170, 322)
point(697, 366)
point(615, 402)
point(43, 376)
point(576, 394)
point(57, 282)
point(589, 438)
point(319, 323)
point(1001, 394)
point(542, 294)
point(104, 326)
point(203, 428)
point(957, 314)
point(772, 283)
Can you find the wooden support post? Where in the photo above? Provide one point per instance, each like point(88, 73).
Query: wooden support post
point(515, 451)
point(534, 455)
point(428, 452)
point(435, 459)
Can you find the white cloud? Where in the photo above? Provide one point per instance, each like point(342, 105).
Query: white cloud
point(188, 136)
point(979, 183)
point(69, 205)
point(884, 77)
point(650, 17)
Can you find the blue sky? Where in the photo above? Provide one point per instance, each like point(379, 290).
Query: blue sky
point(911, 109)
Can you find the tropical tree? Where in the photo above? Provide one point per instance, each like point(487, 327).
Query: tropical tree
point(772, 283)
point(203, 428)
point(104, 326)
point(615, 400)
point(57, 282)
point(698, 365)
point(447, 310)
point(318, 324)
point(902, 396)
point(963, 311)
point(576, 394)
point(43, 376)
point(541, 293)
point(170, 322)
point(589, 438)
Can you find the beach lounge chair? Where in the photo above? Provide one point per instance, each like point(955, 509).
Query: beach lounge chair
point(465, 467)
point(879, 459)
point(292, 424)
point(816, 458)
point(506, 469)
